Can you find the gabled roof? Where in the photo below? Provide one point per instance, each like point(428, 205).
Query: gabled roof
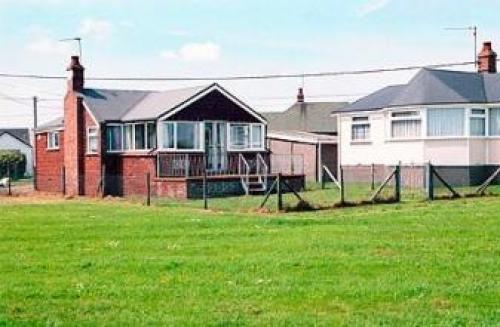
point(433, 86)
point(314, 117)
point(133, 105)
point(21, 134)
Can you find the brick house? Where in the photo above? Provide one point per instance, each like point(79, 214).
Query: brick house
point(109, 140)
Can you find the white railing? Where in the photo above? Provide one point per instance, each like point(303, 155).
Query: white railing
point(244, 172)
point(262, 169)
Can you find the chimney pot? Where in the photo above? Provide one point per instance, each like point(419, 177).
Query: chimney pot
point(300, 95)
point(76, 80)
point(487, 59)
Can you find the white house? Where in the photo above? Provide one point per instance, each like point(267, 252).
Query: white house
point(440, 116)
point(18, 139)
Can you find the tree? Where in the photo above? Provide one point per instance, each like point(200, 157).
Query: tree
point(14, 160)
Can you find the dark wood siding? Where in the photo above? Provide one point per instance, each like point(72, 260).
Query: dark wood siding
point(214, 106)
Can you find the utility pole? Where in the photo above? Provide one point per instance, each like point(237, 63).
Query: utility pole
point(35, 126)
point(473, 29)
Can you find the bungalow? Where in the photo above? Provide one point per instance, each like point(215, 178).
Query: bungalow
point(109, 140)
point(441, 116)
point(305, 135)
point(18, 139)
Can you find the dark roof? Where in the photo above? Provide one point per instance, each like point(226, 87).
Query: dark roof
point(51, 125)
point(314, 117)
point(22, 134)
point(130, 105)
point(433, 86)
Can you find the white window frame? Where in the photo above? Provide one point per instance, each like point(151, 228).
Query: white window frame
point(95, 134)
point(201, 128)
point(465, 134)
point(361, 121)
point(417, 117)
point(132, 148)
point(51, 138)
point(121, 136)
point(248, 147)
point(483, 116)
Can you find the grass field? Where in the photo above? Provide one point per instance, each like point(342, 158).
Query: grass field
point(116, 263)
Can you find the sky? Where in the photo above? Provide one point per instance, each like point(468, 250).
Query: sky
point(188, 38)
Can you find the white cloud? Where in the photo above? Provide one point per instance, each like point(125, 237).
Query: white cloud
point(46, 45)
point(207, 51)
point(371, 6)
point(96, 28)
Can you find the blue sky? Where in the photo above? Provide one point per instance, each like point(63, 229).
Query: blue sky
point(224, 37)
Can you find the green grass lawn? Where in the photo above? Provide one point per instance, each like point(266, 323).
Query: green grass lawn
point(116, 263)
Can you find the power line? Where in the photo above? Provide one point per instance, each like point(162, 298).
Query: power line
point(243, 77)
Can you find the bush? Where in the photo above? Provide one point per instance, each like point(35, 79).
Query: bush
point(14, 160)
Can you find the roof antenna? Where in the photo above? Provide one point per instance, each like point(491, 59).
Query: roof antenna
point(77, 39)
point(474, 34)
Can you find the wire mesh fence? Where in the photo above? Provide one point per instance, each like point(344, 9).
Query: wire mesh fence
point(351, 185)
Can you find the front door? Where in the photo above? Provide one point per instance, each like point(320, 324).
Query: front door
point(215, 145)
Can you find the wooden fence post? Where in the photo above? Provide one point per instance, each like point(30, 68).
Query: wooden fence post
point(342, 190)
point(148, 188)
point(279, 193)
point(397, 184)
point(205, 192)
point(373, 176)
point(63, 180)
point(322, 178)
point(430, 182)
point(9, 179)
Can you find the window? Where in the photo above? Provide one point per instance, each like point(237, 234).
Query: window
point(257, 136)
point(114, 137)
point(360, 129)
point(406, 124)
point(139, 137)
point(478, 122)
point(445, 122)
point(168, 135)
point(151, 132)
point(240, 136)
point(246, 136)
point(188, 136)
point(181, 135)
point(53, 140)
point(92, 140)
point(128, 137)
point(494, 122)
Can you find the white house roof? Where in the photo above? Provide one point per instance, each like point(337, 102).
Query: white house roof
point(302, 137)
point(433, 86)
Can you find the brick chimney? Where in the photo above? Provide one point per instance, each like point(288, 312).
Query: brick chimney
point(76, 79)
point(487, 59)
point(74, 129)
point(300, 95)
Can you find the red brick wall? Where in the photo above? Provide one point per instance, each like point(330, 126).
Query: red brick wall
point(126, 173)
point(49, 164)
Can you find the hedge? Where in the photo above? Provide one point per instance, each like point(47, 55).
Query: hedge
point(15, 160)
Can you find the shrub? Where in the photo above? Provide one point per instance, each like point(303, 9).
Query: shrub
point(14, 160)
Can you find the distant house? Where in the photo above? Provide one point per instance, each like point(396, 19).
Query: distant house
point(441, 116)
point(306, 133)
point(109, 140)
point(18, 139)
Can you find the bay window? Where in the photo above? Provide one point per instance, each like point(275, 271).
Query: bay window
point(92, 140)
point(406, 124)
point(53, 140)
point(494, 118)
point(477, 122)
point(360, 129)
point(445, 122)
point(243, 136)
